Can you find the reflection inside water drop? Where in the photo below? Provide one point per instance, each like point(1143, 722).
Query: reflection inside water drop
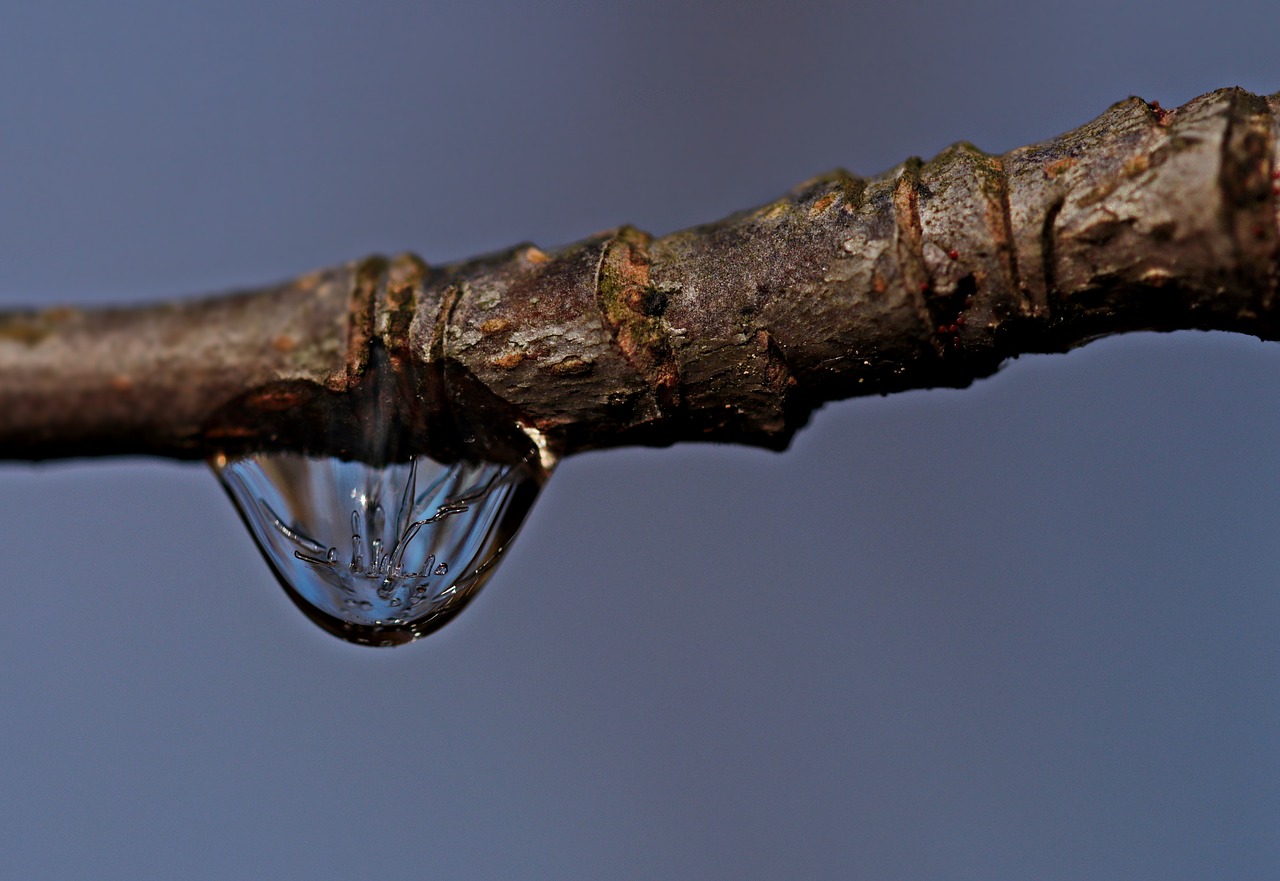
point(380, 555)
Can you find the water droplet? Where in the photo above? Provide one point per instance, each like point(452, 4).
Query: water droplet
point(421, 537)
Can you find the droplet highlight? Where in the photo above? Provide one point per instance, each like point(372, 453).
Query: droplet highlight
point(380, 555)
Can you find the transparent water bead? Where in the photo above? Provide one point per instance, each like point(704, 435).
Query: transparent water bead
point(380, 555)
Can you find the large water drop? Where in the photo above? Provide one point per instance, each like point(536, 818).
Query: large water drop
point(380, 555)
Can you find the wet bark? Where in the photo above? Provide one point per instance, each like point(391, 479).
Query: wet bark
point(929, 275)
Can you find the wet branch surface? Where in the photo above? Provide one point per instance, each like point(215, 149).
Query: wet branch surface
point(929, 275)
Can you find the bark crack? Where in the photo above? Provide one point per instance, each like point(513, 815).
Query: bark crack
point(1048, 266)
point(1008, 252)
point(369, 275)
point(909, 243)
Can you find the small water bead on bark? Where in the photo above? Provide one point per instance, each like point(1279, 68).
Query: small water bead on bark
point(380, 555)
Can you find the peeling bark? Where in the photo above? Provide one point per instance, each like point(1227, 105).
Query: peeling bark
point(929, 275)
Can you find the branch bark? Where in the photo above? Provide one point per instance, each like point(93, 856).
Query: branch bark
point(931, 274)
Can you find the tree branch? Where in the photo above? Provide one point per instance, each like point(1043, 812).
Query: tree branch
point(931, 274)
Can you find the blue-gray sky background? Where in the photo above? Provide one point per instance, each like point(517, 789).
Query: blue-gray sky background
point(1025, 630)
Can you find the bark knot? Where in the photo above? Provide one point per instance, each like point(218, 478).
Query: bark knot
point(633, 309)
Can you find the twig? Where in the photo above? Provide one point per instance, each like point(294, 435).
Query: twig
point(931, 274)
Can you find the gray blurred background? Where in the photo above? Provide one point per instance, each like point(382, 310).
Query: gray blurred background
point(1025, 630)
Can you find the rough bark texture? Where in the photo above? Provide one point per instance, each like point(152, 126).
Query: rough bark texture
point(931, 274)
